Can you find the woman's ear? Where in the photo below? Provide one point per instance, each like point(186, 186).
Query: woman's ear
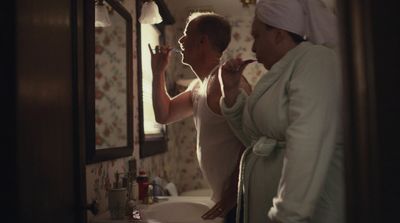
point(280, 35)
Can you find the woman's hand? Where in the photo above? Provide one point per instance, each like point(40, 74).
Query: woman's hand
point(159, 59)
point(230, 79)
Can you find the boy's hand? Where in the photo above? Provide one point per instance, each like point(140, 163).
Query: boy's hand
point(159, 59)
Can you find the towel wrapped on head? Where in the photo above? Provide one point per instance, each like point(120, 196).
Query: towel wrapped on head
point(311, 19)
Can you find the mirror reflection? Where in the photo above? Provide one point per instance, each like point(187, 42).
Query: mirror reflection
point(149, 35)
point(109, 87)
point(152, 135)
point(110, 83)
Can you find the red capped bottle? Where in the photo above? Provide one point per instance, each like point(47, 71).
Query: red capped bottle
point(143, 182)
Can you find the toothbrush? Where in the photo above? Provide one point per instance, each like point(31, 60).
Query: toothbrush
point(176, 50)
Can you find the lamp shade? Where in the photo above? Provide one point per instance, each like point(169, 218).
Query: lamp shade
point(150, 13)
point(101, 18)
point(246, 3)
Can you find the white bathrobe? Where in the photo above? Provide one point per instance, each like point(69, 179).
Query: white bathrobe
point(292, 170)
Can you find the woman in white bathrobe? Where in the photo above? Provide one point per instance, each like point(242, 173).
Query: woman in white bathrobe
point(292, 170)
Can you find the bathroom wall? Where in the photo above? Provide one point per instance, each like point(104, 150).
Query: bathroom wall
point(100, 176)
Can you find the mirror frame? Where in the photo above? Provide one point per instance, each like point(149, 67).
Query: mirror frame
point(93, 155)
point(153, 145)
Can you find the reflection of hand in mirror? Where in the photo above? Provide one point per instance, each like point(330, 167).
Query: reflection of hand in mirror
point(159, 59)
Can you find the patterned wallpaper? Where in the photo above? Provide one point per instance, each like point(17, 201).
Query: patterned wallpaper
point(240, 47)
point(110, 84)
point(181, 145)
point(100, 176)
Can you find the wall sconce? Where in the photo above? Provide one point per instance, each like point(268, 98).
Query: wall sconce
point(246, 3)
point(149, 13)
point(101, 18)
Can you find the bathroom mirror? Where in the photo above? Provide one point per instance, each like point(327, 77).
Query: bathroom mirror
point(152, 135)
point(109, 77)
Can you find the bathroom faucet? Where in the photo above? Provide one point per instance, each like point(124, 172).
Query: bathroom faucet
point(152, 195)
point(156, 188)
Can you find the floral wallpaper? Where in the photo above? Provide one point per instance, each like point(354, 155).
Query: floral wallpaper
point(110, 84)
point(240, 47)
point(109, 88)
point(179, 164)
point(99, 180)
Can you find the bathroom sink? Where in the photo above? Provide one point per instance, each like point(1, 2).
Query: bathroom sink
point(180, 210)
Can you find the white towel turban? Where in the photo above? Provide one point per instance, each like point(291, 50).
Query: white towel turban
point(308, 18)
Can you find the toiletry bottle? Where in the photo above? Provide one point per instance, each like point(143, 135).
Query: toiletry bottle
point(135, 190)
point(149, 197)
point(143, 182)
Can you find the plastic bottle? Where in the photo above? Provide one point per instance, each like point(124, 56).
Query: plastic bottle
point(143, 182)
point(149, 196)
point(132, 175)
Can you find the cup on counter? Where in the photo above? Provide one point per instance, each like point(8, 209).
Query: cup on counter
point(117, 198)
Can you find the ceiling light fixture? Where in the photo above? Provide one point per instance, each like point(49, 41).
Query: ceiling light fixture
point(246, 3)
